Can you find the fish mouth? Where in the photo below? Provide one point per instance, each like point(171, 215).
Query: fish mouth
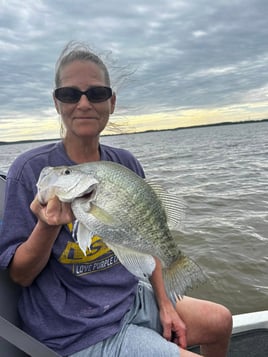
point(90, 193)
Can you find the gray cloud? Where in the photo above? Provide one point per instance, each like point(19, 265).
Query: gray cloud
point(183, 54)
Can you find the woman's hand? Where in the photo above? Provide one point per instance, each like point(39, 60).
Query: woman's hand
point(54, 213)
point(174, 328)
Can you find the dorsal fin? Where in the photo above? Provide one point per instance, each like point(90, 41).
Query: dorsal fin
point(173, 205)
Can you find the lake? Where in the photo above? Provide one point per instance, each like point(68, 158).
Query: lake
point(221, 172)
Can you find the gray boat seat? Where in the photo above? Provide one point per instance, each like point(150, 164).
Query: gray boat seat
point(13, 341)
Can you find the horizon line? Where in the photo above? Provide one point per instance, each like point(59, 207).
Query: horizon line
point(144, 131)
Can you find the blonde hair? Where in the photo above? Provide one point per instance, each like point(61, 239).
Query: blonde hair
point(78, 51)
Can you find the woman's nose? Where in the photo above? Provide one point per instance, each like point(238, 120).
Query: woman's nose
point(84, 102)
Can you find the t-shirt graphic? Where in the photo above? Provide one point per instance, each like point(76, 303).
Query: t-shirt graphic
point(98, 257)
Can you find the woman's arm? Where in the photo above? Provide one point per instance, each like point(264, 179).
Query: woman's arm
point(174, 328)
point(32, 256)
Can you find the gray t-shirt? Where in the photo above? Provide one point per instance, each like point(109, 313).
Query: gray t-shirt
point(77, 300)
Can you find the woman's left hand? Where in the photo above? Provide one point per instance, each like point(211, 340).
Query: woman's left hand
point(174, 328)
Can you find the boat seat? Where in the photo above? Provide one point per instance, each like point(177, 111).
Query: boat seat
point(13, 341)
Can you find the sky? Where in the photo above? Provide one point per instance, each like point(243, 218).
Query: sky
point(173, 63)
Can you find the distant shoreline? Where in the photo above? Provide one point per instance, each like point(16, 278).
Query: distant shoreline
point(142, 132)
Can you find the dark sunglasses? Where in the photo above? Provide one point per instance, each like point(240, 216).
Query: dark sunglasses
point(95, 94)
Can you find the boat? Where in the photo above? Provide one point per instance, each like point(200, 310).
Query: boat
point(249, 336)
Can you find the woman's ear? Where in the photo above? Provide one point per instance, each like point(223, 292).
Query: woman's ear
point(113, 102)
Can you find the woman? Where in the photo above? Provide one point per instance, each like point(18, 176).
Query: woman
point(69, 302)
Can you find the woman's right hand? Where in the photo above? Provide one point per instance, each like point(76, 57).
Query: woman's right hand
point(54, 213)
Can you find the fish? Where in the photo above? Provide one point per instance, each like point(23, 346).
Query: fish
point(132, 215)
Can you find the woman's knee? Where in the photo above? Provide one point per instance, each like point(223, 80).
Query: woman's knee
point(204, 319)
point(225, 320)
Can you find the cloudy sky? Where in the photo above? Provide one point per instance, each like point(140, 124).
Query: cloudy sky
point(174, 63)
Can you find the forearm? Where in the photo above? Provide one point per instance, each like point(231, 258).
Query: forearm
point(173, 327)
point(158, 285)
point(32, 256)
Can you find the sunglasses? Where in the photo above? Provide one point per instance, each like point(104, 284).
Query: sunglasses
point(95, 94)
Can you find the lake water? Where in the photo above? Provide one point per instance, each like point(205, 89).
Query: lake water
point(221, 172)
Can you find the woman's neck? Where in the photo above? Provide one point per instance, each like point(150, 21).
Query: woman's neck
point(81, 151)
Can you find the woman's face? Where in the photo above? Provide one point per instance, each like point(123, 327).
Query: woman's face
point(84, 119)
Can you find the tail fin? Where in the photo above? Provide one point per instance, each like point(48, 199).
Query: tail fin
point(182, 275)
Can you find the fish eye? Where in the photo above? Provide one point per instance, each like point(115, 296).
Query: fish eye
point(67, 171)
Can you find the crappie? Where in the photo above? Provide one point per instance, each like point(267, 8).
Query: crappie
point(128, 213)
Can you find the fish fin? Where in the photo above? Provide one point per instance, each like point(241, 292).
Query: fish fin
point(173, 205)
point(83, 236)
point(139, 264)
point(183, 274)
point(102, 216)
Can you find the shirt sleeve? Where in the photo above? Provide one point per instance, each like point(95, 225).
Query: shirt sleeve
point(18, 220)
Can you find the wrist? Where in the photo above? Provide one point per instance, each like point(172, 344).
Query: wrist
point(43, 226)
